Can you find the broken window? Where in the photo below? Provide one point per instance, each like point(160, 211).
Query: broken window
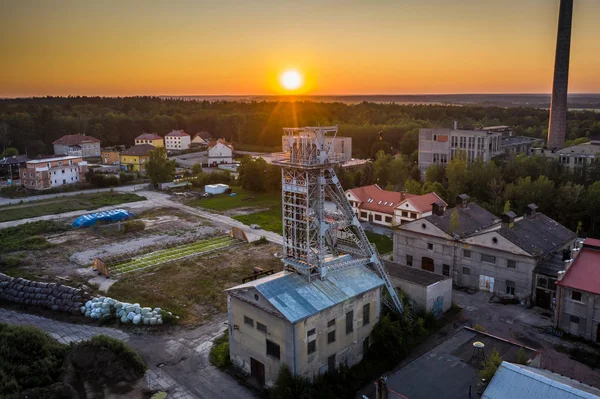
point(349, 322)
point(366, 314)
point(261, 327)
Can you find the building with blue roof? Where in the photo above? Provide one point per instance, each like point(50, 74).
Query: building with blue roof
point(312, 327)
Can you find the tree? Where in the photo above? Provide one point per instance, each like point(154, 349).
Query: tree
point(380, 146)
point(434, 187)
point(456, 173)
point(9, 152)
point(454, 222)
point(159, 168)
point(490, 366)
point(412, 186)
point(368, 175)
point(381, 168)
point(197, 169)
point(506, 207)
point(435, 173)
point(398, 172)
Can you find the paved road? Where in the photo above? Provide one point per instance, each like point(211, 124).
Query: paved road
point(177, 364)
point(124, 189)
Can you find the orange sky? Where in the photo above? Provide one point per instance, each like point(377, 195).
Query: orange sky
point(193, 47)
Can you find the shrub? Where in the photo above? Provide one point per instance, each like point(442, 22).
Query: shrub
point(27, 236)
point(132, 226)
point(126, 177)
point(123, 352)
point(479, 328)
point(219, 353)
point(522, 357)
point(490, 366)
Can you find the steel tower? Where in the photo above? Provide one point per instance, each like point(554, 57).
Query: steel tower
point(315, 240)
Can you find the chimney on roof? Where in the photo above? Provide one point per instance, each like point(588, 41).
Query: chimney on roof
point(455, 125)
point(462, 200)
point(508, 219)
point(531, 210)
point(438, 208)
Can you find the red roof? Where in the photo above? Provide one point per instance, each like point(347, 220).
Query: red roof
point(422, 203)
point(213, 143)
point(592, 242)
point(374, 198)
point(148, 136)
point(75, 139)
point(177, 133)
point(584, 273)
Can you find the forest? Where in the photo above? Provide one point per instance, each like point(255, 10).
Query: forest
point(31, 125)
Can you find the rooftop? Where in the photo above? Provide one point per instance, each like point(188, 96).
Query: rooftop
point(204, 135)
point(518, 381)
point(64, 158)
point(374, 198)
point(177, 133)
point(584, 273)
point(148, 136)
point(472, 219)
point(74, 139)
point(138, 150)
point(296, 299)
point(580, 149)
point(213, 143)
point(550, 266)
point(16, 159)
point(417, 276)
point(518, 140)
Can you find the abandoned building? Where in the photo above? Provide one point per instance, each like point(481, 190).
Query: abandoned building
point(482, 251)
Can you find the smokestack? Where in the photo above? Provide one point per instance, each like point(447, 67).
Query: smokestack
point(558, 107)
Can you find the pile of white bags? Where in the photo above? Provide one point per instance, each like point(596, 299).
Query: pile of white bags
point(98, 308)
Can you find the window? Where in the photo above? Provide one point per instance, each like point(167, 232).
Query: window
point(510, 287)
point(409, 260)
point(413, 215)
point(366, 314)
point(446, 270)
point(405, 214)
point(331, 360)
point(378, 218)
point(248, 321)
point(466, 271)
point(430, 246)
point(349, 322)
point(466, 253)
point(363, 214)
point(511, 264)
point(488, 258)
point(311, 332)
point(331, 336)
point(542, 282)
point(388, 219)
point(576, 295)
point(272, 349)
point(365, 345)
point(261, 327)
point(312, 346)
point(574, 319)
point(331, 323)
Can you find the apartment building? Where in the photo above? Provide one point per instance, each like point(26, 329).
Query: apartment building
point(390, 208)
point(77, 145)
point(312, 327)
point(111, 156)
point(578, 298)
point(134, 159)
point(482, 251)
point(42, 174)
point(341, 146)
point(177, 140)
point(150, 138)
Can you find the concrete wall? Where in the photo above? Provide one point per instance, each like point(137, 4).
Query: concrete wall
point(587, 310)
point(424, 297)
point(440, 289)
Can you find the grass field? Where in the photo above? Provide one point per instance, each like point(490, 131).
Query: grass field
point(269, 220)
point(243, 199)
point(29, 236)
point(68, 204)
point(383, 243)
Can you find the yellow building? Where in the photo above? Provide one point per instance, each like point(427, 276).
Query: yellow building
point(150, 138)
point(110, 156)
point(134, 159)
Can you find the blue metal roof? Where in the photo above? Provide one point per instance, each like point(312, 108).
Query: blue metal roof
point(298, 299)
point(516, 381)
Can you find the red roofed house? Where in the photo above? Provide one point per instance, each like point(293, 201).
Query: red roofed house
point(77, 145)
point(578, 297)
point(150, 138)
point(177, 140)
point(219, 151)
point(390, 208)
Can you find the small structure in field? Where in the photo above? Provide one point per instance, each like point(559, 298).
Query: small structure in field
point(114, 215)
point(216, 188)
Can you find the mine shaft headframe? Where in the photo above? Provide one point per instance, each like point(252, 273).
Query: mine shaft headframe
point(308, 145)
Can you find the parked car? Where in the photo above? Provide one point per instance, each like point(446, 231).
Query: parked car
point(255, 226)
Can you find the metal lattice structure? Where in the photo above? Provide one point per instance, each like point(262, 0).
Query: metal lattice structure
point(317, 241)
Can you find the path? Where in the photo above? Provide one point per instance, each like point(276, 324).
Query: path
point(177, 364)
point(123, 189)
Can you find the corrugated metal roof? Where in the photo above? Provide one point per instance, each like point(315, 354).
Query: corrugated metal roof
point(516, 381)
point(298, 299)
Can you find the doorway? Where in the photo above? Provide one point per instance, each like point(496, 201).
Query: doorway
point(543, 298)
point(427, 264)
point(370, 218)
point(257, 370)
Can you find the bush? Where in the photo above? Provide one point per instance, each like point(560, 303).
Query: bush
point(479, 328)
point(130, 358)
point(132, 226)
point(522, 357)
point(27, 236)
point(126, 177)
point(219, 353)
point(490, 366)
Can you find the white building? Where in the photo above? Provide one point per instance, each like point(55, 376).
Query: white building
point(42, 174)
point(219, 151)
point(342, 146)
point(177, 140)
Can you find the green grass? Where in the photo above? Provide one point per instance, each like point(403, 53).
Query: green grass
point(269, 220)
point(28, 236)
point(243, 199)
point(68, 204)
point(383, 243)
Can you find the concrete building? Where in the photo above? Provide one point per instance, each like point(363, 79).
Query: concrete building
point(134, 159)
point(342, 146)
point(312, 327)
point(177, 140)
point(578, 298)
point(515, 145)
point(42, 174)
point(390, 208)
point(437, 146)
point(111, 156)
point(425, 290)
point(77, 145)
point(558, 108)
point(578, 155)
point(219, 151)
point(11, 166)
point(150, 138)
point(482, 251)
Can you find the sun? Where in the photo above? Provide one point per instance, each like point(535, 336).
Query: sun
point(291, 79)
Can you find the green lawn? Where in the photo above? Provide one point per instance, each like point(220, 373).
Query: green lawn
point(243, 199)
point(269, 220)
point(383, 243)
point(29, 236)
point(65, 204)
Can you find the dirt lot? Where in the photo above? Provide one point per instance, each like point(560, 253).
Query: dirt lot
point(193, 288)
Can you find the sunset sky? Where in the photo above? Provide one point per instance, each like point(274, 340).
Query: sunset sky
point(241, 47)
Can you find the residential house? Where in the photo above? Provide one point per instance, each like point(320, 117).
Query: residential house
point(77, 145)
point(200, 139)
point(312, 327)
point(481, 251)
point(42, 174)
point(219, 151)
point(390, 208)
point(341, 147)
point(11, 166)
point(134, 159)
point(578, 297)
point(150, 138)
point(111, 156)
point(177, 140)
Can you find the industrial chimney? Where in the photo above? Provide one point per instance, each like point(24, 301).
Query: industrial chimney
point(558, 106)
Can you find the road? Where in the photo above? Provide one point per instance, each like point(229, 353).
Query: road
point(177, 362)
point(122, 189)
